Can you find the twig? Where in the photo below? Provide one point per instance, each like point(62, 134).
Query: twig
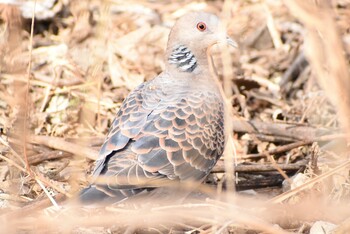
point(278, 150)
point(296, 132)
point(52, 200)
point(14, 152)
point(61, 144)
point(46, 98)
point(268, 138)
point(275, 35)
point(261, 180)
point(219, 167)
point(274, 164)
point(55, 154)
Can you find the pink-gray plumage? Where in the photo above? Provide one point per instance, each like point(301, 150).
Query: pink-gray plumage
point(170, 128)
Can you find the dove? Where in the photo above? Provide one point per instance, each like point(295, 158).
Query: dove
point(170, 128)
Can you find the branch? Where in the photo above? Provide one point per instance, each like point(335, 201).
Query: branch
point(296, 132)
point(61, 144)
point(220, 167)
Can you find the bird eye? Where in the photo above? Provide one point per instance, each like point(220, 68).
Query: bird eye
point(201, 26)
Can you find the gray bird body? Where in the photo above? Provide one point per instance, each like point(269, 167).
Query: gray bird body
point(168, 129)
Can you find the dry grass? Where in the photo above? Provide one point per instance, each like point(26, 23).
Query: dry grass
point(62, 81)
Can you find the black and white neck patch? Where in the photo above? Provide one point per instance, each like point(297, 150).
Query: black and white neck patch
point(183, 58)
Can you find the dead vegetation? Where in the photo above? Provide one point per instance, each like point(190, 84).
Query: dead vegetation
point(287, 87)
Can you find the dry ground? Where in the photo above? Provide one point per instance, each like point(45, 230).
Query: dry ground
point(288, 89)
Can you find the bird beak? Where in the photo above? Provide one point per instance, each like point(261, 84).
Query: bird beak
point(226, 40)
point(231, 42)
point(223, 39)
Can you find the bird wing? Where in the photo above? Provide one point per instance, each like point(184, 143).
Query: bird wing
point(158, 136)
point(130, 118)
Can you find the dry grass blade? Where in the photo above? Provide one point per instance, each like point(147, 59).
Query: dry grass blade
point(26, 99)
point(276, 37)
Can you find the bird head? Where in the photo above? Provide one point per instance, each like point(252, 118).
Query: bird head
point(195, 32)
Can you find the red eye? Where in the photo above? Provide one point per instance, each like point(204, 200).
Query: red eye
point(201, 26)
